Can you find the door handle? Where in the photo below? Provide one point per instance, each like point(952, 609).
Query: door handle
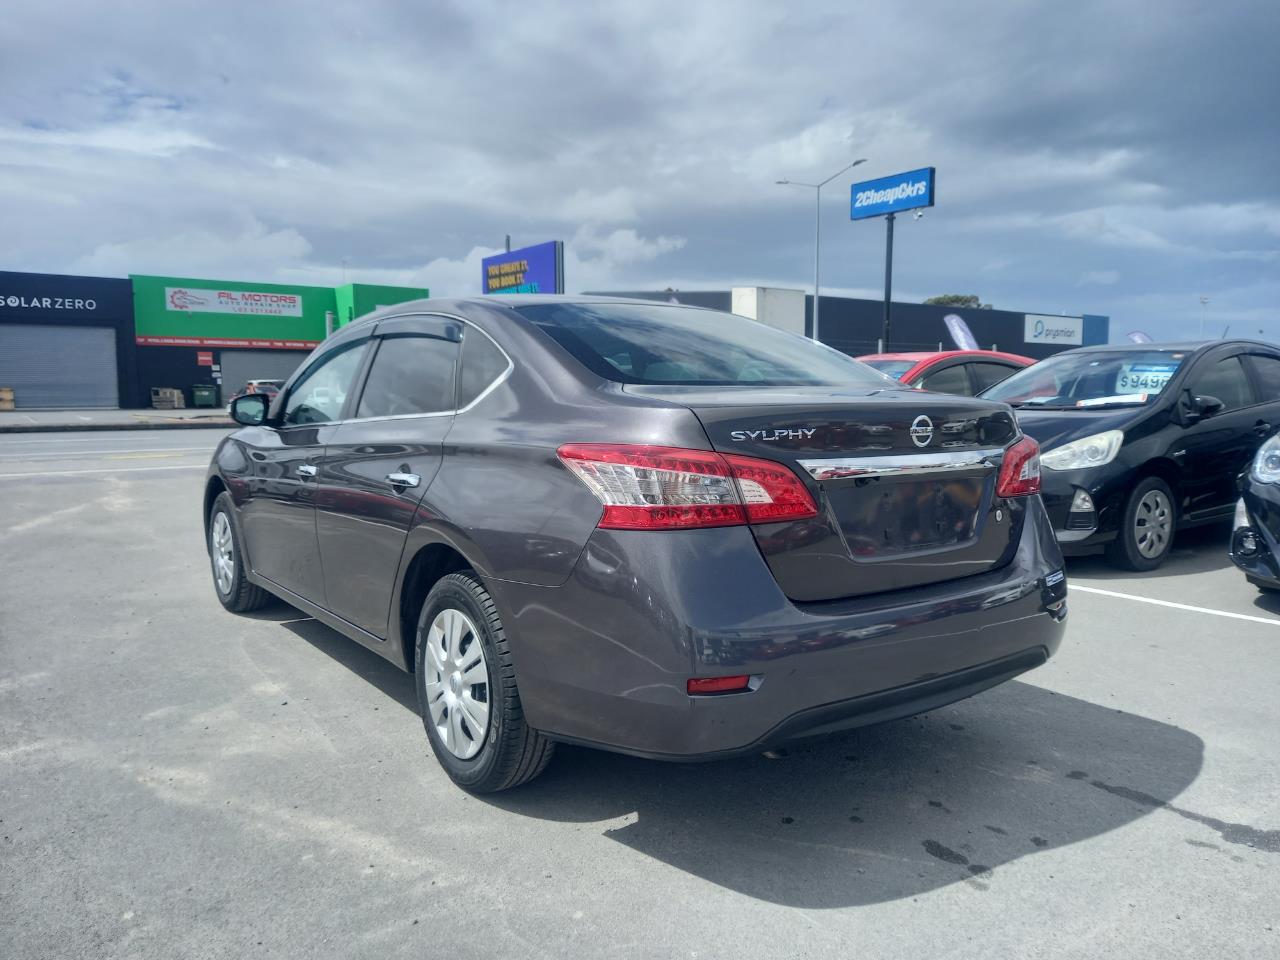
point(306, 470)
point(1262, 428)
point(403, 479)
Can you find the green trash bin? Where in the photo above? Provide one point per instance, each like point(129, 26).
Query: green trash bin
point(204, 395)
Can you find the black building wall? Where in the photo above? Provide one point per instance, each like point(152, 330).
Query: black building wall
point(854, 325)
point(57, 300)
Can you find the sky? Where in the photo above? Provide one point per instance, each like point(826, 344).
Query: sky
point(1116, 157)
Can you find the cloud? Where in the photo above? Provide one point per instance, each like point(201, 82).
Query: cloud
point(410, 139)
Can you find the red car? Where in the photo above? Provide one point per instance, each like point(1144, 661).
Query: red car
point(966, 372)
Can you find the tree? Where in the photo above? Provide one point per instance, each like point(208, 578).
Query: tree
point(970, 300)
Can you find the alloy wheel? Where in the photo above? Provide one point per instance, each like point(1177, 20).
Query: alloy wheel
point(457, 683)
point(1153, 524)
point(224, 558)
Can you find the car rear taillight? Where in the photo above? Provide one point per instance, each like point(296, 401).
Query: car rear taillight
point(702, 686)
point(1020, 471)
point(670, 488)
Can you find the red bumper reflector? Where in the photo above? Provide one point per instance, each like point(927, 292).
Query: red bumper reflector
point(698, 685)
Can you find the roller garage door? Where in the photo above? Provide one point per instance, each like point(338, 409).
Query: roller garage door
point(241, 366)
point(55, 366)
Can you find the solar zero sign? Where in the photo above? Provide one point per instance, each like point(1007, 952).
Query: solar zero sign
point(893, 194)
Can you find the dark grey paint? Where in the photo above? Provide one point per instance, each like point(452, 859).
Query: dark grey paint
point(607, 626)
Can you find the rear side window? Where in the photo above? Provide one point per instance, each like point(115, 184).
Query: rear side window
point(482, 363)
point(659, 343)
point(410, 375)
point(1268, 371)
point(988, 374)
point(1225, 380)
point(950, 380)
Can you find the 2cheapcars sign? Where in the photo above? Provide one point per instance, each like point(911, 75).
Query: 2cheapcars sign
point(536, 269)
point(177, 312)
point(902, 191)
point(257, 302)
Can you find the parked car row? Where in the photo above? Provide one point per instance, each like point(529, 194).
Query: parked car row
point(1137, 441)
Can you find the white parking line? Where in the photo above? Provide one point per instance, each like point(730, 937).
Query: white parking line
point(74, 473)
point(1176, 606)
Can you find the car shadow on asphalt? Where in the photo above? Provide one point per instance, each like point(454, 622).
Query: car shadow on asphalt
point(1198, 550)
point(364, 663)
point(892, 811)
point(877, 814)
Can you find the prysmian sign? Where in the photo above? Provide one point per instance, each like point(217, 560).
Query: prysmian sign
point(902, 191)
point(1040, 328)
point(536, 269)
point(258, 302)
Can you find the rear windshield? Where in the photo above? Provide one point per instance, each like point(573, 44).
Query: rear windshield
point(672, 344)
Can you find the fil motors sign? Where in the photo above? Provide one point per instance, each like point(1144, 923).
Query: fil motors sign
point(902, 191)
point(249, 302)
point(1060, 331)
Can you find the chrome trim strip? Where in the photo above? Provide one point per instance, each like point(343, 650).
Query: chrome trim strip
point(843, 468)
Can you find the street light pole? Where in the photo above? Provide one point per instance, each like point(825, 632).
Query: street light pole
point(817, 232)
point(1204, 305)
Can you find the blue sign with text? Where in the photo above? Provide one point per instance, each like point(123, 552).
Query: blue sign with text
point(536, 269)
point(902, 191)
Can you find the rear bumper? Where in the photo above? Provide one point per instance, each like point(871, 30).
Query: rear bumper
point(604, 658)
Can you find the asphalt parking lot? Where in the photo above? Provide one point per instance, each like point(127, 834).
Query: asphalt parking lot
point(176, 781)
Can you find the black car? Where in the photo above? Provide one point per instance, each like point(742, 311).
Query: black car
point(647, 527)
point(1141, 440)
point(1255, 541)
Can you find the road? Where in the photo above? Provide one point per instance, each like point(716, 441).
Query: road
point(176, 781)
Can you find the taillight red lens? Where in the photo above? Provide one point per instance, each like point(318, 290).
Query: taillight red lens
point(1020, 471)
point(666, 488)
point(770, 491)
point(704, 685)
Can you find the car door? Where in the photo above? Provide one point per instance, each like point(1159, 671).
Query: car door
point(377, 466)
point(1217, 447)
point(278, 519)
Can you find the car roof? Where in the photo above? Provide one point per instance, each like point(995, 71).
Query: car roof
point(509, 300)
point(918, 356)
point(1185, 345)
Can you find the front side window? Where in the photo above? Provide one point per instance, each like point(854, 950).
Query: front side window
point(656, 344)
point(321, 393)
point(1225, 380)
point(410, 375)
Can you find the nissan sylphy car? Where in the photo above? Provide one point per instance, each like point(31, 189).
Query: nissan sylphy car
point(650, 528)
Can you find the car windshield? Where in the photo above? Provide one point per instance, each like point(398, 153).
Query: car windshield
point(671, 344)
point(1085, 379)
point(891, 368)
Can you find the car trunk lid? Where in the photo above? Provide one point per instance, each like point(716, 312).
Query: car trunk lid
point(905, 482)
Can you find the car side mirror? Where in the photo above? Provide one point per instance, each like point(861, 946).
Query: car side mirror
point(251, 409)
point(1207, 406)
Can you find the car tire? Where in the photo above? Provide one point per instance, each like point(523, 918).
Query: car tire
point(459, 640)
point(226, 560)
point(1147, 527)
